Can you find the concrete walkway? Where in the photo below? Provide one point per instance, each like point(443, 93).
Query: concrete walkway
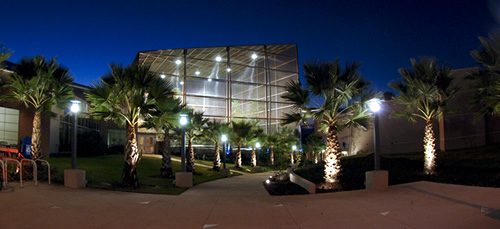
point(242, 202)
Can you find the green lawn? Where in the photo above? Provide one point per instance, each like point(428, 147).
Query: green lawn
point(230, 165)
point(105, 172)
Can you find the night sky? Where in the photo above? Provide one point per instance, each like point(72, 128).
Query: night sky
point(86, 36)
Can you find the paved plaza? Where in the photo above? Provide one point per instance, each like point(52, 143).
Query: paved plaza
point(242, 202)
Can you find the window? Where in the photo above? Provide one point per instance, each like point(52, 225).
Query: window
point(9, 126)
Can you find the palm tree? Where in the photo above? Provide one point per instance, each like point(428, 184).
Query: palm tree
point(241, 131)
point(270, 140)
point(423, 92)
point(213, 133)
point(165, 119)
point(314, 145)
point(197, 124)
point(40, 84)
point(126, 95)
point(343, 93)
point(487, 79)
point(256, 135)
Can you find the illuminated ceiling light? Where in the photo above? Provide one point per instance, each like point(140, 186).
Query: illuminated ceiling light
point(181, 83)
point(197, 73)
point(228, 69)
point(209, 79)
point(374, 105)
point(162, 75)
point(254, 56)
point(218, 58)
point(178, 62)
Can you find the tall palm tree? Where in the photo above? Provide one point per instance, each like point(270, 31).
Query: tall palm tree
point(40, 84)
point(197, 124)
point(240, 132)
point(165, 119)
point(423, 92)
point(343, 93)
point(213, 133)
point(126, 95)
point(487, 79)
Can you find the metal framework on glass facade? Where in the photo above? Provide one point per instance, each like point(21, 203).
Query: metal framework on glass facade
point(232, 82)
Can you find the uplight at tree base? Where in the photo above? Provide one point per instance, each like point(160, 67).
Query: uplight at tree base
point(429, 150)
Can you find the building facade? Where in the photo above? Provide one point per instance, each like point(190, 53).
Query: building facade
point(229, 83)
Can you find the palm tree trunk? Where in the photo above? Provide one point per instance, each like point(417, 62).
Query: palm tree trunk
point(291, 158)
point(238, 157)
point(190, 158)
point(36, 135)
point(315, 155)
point(132, 155)
point(217, 157)
point(166, 166)
point(333, 168)
point(429, 149)
point(271, 155)
point(254, 158)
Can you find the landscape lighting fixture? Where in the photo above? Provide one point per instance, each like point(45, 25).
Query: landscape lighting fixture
point(254, 56)
point(163, 76)
point(178, 62)
point(218, 58)
point(374, 105)
point(209, 79)
point(197, 73)
point(75, 106)
point(294, 147)
point(257, 145)
point(228, 69)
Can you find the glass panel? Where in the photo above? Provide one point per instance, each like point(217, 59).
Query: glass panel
point(209, 54)
point(276, 93)
point(171, 65)
point(248, 91)
point(210, 106)
point(281, 78)
point(176, 82)
point(278, 110)
point(204, 87)
point(285, 50)
point(206, 69)
point(248, 74)
point(248, 109)
point(248, 56)
point(283, 63)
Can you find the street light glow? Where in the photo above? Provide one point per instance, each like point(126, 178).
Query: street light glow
point(294, 147)
point(223, 138)
point(183, 120)
point(257, 145)
point(75, 106)
point(197, 73)
point(374, 105)
point(218, 58)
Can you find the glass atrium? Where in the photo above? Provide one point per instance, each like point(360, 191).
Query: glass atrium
point(230, 83)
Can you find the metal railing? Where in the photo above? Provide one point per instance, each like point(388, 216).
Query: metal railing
point(15, 161)
point(48, 167)
point(4, 174)
point(35, 172)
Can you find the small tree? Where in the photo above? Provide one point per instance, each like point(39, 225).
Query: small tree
point(126, 95)
point(423, 93)
point(213, 133)
point(197, 124)
point(39, 84)
point(240, 133)
point(256, 135)
point(343, 94)
point(165, 118)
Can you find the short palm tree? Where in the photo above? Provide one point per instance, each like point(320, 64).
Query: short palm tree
point(240, 132)
point(213, 133)
point(314, 145)
point(126, 95)
point(256, 135)
point(197, 124)
point(423, 92)
point(343, 93)
point(270, 140)
point(40, 84)
point(165, 119)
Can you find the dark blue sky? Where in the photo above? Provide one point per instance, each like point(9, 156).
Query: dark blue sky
point(382, 35)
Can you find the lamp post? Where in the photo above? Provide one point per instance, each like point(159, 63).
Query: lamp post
point(74, 108)
point(223, 138)
point(374, 105)
point(183, 121)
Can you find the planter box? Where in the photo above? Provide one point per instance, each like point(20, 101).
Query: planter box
point(307, 185)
